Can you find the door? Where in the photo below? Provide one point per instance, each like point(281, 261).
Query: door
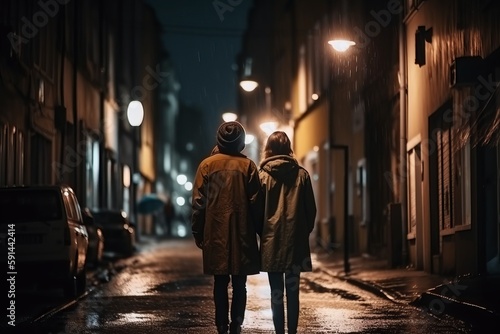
point(415, 216)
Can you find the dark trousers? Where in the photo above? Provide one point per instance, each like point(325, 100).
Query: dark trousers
point(278, 282)
point(221, 299)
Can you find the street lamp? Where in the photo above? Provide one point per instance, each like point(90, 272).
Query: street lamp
point(135, 113)
point(229, 116)
point(339, 45)
point(248, 84)
point(135, 116)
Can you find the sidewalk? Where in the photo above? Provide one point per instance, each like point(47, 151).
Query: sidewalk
point(472, 299)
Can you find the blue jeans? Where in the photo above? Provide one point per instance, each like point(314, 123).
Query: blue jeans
point(278, 282)
point(221, 299)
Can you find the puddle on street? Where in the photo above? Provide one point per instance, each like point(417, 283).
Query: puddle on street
point(179, 285)
point(312, 286)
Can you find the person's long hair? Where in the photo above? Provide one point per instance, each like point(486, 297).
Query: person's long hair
point(278, 143)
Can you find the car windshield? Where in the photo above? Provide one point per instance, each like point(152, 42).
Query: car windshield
point(29, 205)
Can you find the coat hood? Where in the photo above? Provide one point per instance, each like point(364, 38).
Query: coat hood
point(280, 167)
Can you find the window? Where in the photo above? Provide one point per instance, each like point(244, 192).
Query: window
point(19, 158)
point(126, 183)
point(92, 171)
point(445, 177)
point(3, 154)
point(362, 192)
point(302, 80)
point(463, 187)
point(41, 157)
point(414, 189)
point(44, 48)
point(450, 165)
point(310, 73)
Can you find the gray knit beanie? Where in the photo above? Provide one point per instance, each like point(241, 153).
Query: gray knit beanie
point(231, 137)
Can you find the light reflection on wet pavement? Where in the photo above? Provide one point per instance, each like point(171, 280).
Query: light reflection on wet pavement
point(163, 290)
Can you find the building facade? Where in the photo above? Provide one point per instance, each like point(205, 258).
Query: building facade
point(68, 72)
point(452, 79)
point(399, 132)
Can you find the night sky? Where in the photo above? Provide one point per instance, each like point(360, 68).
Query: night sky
point(203, 38)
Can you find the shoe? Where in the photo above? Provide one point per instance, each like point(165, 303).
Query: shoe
point(222, 329)
point(235, 329)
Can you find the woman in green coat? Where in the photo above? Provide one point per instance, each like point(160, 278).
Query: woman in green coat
point(290, 212)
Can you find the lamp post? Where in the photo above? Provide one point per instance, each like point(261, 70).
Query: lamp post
point(135, 115)
point(345, 150)
point(339, 45)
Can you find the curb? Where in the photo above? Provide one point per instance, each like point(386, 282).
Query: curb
point(439, 305)
point(433, 303)
point(366, 285)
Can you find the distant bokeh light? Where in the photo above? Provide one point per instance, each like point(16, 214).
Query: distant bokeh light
point(180, 201)
point(181, 179)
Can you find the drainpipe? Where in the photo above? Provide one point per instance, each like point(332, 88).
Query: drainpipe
point(403, 136)
point(497, 264)
point(76, 129)
point(101, 184)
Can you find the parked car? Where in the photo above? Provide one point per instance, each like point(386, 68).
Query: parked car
point(44, 228)
point(119, 232)
point(96, 239)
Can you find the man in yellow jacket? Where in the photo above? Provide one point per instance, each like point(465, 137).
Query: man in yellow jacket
point(227, 216)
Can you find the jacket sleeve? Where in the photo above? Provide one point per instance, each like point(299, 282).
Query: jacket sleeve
point(310, 204)
point(256, 198)
point(198, 206)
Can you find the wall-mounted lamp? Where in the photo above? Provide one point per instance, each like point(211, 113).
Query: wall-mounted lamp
point(135, 113)
point(248, 84)
point(421, 36)
point(229, 116)
point(341, 45)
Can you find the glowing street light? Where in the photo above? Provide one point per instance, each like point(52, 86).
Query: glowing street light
point(135, 113)
point(229, 116)
point(341, 45)
point(248, 85)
